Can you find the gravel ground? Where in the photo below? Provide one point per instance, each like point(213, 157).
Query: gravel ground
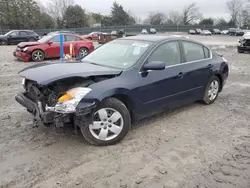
point(193, 146)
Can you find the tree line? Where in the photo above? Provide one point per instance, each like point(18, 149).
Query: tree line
point(32, 14)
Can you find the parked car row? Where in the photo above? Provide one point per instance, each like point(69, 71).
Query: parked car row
point(215, 31)
point(150, 31)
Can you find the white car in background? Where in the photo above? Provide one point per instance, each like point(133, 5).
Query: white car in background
point(224, 32)
point(206, 32)
point(144, 31)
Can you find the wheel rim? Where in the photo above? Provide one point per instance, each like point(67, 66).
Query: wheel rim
point(213, 90)
point(107, 124)
point(83, 52)
point(38, 56)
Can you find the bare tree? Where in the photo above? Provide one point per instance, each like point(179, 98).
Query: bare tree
point(155, 18)
point(191, 14)
point(57, 9)
point(174, 18)
point(235, 9)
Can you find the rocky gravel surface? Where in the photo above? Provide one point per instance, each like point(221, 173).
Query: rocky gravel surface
point(194, 146)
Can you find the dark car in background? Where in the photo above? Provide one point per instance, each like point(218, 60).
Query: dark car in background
point(17, 36)
point(122, 82)
point(235, 32)
point(216, 31)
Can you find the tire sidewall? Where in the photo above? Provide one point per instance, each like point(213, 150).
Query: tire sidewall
point(206, 97)
point(122, 109)
point(83, 48)
point(33, 57)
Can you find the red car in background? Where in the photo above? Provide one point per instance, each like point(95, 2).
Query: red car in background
point(49, 47)
point(93, 35)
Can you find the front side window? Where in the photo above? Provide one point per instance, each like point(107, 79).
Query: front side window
point(14, 34)
point(169, 53)
point(120, 54)
point(193, 51)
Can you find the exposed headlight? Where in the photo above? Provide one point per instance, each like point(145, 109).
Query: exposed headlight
point(69, 101)
point(25, 49)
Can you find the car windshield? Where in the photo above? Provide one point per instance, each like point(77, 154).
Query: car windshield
point(45, 38)
point(120, 54)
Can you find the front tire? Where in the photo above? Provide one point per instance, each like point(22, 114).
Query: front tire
point(212, 90)
point(111, 123)
point(37, 56)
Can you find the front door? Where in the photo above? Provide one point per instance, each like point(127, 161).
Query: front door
point(14, 38)
point(161, 89)
point(53, 49)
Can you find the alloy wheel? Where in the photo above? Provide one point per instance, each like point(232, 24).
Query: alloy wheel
point(213, 90)
point(37, 56)
point(83, 52)
point(107, 124)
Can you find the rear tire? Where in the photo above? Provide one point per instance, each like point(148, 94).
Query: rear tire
point(101, 132)
point(37, 55)
point(83, 52)
point(212, 90)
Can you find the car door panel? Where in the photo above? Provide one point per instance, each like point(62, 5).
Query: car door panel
point(197, 72)
point(53, 49)
point(162, 89)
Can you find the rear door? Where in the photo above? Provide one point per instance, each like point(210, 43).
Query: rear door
point(23, 36)
point(197, 68)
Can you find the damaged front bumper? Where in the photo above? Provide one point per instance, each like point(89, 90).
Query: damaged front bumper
point(58, 115)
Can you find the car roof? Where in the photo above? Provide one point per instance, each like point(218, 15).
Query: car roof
point(154, 38)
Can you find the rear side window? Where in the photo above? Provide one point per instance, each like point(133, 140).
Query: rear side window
point(69, 38)
point(56, 38)
point(23, 33)
point(193, 51)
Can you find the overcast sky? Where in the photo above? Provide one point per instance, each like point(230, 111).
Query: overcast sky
point(141, 8)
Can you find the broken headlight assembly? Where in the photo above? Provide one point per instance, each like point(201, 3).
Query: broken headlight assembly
point(69, 101)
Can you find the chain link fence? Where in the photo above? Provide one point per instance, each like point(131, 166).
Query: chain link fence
point(128, 28)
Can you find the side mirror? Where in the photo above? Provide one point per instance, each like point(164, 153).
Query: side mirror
point(154, 65)
point(50, 42)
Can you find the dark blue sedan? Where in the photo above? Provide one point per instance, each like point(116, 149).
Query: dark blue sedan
point(121, 82)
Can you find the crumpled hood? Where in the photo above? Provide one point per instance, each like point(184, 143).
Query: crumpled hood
point(24, 44)
point(45, 73)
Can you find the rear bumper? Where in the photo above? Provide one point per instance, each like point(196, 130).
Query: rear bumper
point(21, 56)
